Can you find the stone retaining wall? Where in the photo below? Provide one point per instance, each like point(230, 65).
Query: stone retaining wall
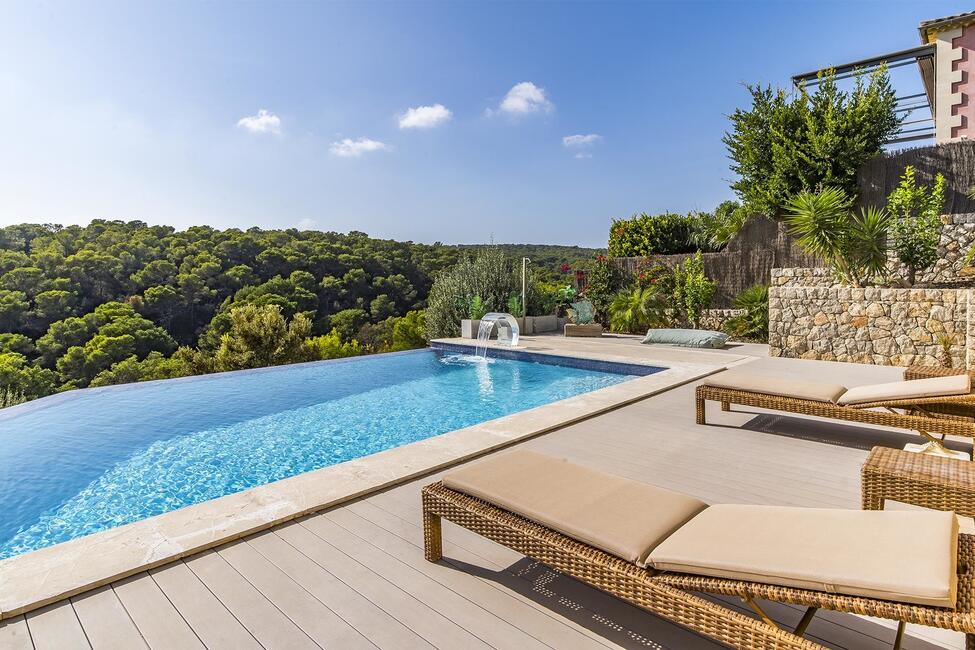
point(957, 236)
point(813, 318)
point(715, 319)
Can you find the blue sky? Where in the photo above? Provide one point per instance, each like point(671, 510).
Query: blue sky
point(152, 111)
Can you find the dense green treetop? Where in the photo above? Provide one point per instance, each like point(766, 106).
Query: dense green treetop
point(114, 301)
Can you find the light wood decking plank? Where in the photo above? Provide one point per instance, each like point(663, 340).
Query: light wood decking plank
point(105, 621)
point(263, 620)
point(428, 623)
point(316, 620)
point(609, 617)
point(210, 620)
point(56, 627)
point(544, 626)
point(373, 622)
point(492, 629)
point(158, 621)
point(14, 634)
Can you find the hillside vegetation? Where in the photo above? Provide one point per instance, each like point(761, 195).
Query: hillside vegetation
point(114, 302)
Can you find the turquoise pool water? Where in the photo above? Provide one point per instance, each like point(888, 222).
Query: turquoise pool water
point(90, 460)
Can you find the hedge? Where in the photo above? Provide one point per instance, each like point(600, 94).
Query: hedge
point(642, 235)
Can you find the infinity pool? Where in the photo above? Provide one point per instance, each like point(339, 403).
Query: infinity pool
point(85, 461)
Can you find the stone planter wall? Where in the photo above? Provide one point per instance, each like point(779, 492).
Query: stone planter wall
point(715, 319)
point(957, 236)
point(812, 318)
point(526, 325)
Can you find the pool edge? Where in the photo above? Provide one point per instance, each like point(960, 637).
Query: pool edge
point(50, 574)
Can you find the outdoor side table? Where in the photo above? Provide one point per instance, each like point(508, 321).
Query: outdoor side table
point(918, 479)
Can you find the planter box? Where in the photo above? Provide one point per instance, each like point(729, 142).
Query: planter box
point(469, 329)
point(543, 324)
point(593, 329)
point(526, 325)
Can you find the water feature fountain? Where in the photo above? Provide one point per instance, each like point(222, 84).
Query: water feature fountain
point(508, 331)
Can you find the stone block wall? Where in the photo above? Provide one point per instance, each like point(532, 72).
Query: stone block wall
point(716, 319)
point(957, 236)
point(811, 317)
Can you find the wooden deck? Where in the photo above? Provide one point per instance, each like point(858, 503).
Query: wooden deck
point(355, 577)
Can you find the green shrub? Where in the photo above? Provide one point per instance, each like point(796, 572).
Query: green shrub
point(643, 235)
point(853, 244)
point(21, 381)
point(261, 336)
point(603, 281)
point(787, 144)
point(916, 221)
point(514, 306)
point(154, 366)
point(330, 346)
point(476, 308)
point(693, 290)
point(711, 231)
point(409, 331)
point(488, 275)
point(547, 299)
point(753, 324)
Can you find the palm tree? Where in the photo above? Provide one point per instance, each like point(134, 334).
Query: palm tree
point(853, 244)
point(637, 309)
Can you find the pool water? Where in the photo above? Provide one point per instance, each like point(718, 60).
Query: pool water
point(86, 461)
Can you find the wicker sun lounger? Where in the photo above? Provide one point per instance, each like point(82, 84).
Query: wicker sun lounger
point(906, 404)
point(668, 593)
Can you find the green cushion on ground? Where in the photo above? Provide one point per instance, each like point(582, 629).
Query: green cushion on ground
point(686, 338)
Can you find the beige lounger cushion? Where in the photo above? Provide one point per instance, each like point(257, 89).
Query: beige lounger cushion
point(914, 388)
point(622, 517)
point(780, 386)
point(892, 555)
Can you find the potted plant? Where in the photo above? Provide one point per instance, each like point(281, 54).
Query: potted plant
point(565, 296)
point(475, 311)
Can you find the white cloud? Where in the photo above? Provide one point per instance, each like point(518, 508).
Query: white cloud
point(306, 224)
point(263, 122)
point(349, 148)
point(581, 140)
point(525, 98)
point(424, 117)
point(581, 155)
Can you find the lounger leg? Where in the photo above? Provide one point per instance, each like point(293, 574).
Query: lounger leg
point(900, 635)
point(870, 496)
point(725, 406)
point(805, 621)
point(432, 537)
point(700, 410)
